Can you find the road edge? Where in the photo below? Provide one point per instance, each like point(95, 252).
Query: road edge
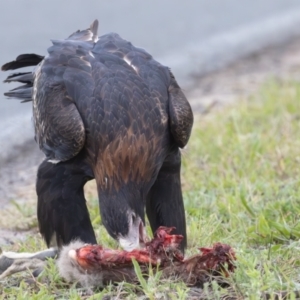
point(223, 49)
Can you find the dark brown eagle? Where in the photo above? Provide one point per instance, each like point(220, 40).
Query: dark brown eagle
point(105, 110)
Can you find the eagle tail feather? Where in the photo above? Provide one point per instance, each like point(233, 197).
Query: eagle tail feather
point(23, 92)
point(26, 77)
point(23, 60)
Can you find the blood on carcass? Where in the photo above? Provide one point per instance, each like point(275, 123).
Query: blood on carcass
point(162, 253)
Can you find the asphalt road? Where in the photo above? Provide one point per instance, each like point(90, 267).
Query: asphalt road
point(168, 29)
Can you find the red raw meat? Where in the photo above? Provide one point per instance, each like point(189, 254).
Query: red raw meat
point(161, 253)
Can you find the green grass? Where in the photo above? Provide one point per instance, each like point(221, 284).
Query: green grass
point(241, 187)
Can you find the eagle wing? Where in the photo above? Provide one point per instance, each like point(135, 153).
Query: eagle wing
point(59, 129)
point(180, 114)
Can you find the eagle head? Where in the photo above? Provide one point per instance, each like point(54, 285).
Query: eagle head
point(122, 214)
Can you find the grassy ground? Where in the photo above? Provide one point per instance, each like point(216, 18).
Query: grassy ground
point(241, 187)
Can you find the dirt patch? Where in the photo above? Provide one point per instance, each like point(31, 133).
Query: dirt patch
point(241, 79)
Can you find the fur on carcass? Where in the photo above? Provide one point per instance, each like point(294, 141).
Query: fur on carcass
point(94, 265)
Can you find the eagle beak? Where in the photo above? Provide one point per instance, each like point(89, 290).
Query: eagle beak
point(136, 236)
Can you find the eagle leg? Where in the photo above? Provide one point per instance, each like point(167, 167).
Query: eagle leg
point(164, 206)
point(62, 211)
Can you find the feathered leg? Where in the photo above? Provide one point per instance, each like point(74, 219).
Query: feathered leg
point(62, 214)
point(164, 205)
point(62, 211)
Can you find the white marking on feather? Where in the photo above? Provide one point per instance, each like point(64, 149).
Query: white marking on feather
point(36, 76)
point(106, 180)
point(131, 241)
point(54, 161)
point(127, 60)
point(91, 54)
point(87, 63)
point(96, 38)
point(42, 126)
point(36, 113)
point(130, 64)
point(134, 68)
